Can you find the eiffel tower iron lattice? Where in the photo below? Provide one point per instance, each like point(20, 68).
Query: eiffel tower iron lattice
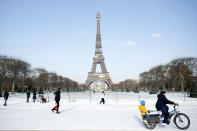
point(98, 58)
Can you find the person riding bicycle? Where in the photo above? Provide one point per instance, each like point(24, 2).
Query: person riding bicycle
point(143, 110)
point(161, 106)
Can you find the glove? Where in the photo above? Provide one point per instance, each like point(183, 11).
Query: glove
point(176, 104)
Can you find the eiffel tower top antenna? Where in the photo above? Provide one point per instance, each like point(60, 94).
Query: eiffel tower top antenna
point(98, 36)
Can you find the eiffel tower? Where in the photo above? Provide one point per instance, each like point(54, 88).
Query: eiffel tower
point(98, 59)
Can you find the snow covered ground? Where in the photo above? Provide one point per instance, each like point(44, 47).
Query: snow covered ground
point(83, 112)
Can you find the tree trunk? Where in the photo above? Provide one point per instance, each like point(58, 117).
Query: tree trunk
point(2, 87)
point(13, 85)
point(163, 86)
point(182, 86)
point(23, 84)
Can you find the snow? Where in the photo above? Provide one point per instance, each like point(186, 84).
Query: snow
point(83, 112)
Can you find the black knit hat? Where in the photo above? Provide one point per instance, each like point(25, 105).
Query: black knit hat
point(162, 92)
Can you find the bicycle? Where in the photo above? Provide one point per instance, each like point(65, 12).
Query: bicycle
point(181, 120)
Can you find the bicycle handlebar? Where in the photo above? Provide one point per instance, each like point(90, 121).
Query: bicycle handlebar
point(175, 105)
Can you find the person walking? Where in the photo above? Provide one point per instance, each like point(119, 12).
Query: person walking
point(28, 95)
point(57, 100)
point(102, 97)
point(6, 95)
point(34, 95)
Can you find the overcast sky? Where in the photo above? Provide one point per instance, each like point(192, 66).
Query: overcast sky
point(59, 35)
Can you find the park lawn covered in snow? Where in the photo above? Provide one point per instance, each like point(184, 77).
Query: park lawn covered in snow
point(83, 112)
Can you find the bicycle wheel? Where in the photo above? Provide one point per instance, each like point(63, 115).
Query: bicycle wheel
point(150, 125)
point(182, 121)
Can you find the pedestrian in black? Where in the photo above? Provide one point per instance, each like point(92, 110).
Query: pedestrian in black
point(6, 95)
point(34, 95)
point(28, 95)
point(57, 100)
point(102, 97)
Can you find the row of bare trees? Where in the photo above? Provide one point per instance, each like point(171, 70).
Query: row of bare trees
point(18, 76)
point(126, 85)
point(177, 75)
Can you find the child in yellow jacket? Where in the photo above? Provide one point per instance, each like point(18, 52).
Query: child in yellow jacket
point(143, 110)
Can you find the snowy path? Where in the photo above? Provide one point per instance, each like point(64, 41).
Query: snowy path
point(83, 115)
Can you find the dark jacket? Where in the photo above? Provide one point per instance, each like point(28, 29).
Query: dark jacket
point(57, 95)
point(34, 94)
point(28, 94)
point(161, 103)
point(6, 94)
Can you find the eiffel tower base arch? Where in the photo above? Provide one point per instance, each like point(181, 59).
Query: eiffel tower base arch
point(93, 77)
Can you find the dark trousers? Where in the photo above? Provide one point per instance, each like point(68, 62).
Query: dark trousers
point(102, 101)
point(166, 117)
point(34, 100)
point(56, 107)
point(27, 99)
point(5, 104)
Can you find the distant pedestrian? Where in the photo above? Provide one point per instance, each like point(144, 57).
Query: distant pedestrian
point(6, 95)
point(102, 97)
point(57, 100)
point(34, 95)
point(28, 95)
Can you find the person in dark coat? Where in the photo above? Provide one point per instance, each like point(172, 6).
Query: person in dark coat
point(34, 95)
point(102, 97)
point(161, 106)
point(6, 95)
point(57, 100)
point(28, 95)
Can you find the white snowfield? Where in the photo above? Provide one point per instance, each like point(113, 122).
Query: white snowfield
point(83, 112)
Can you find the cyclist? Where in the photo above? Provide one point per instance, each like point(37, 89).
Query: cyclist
point(161, 106)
